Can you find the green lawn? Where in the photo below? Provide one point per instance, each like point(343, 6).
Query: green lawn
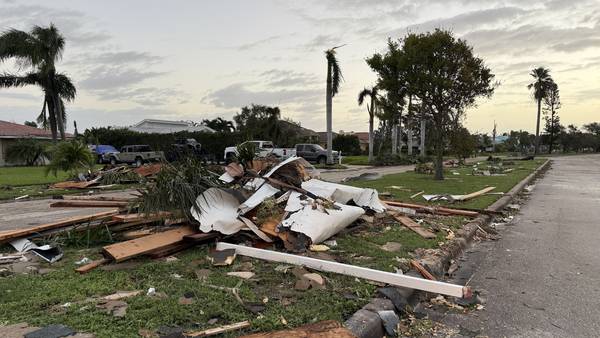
point(18, 176)
point(37, 299)
point(464, 183)
point(355, 160)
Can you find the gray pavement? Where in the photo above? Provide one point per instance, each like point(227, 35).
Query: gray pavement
point(542, 278)
point(25, 214)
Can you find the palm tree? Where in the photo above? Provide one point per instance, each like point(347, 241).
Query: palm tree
point(334, 78)
point(63, 86)
point(371, 109)
point(540, 87)
point(41, 48)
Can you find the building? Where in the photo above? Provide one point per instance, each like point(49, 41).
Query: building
point(167, 127)
point(11, 132)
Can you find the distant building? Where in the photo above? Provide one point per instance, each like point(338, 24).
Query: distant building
point(167, 127)
point(11, 132)
point(363, 138)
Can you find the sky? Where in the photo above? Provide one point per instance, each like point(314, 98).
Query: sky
point(195, 60)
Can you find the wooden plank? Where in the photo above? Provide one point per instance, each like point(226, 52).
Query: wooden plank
point(434, 209)
point(141, 217)
point(351, 270)
point(90, 266)
point(324, 329)
point(416, 227)
point(88, 204)
point(136, 247)
point(473, 194)
point(12, 234)
point(219, 330)
point(97, 198)
point(73, 184)
point(422, 270)
point(201, 237)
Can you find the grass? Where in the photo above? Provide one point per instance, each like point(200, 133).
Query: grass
point(464, 183)
point(20, 176)
point(355, 160)
point(37, 299)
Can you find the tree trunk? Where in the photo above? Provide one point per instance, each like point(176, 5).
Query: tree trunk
point(409, 131)
point(59, 117)
point(371, 137)
point(550, 148)
point(439, 155)
point(537, 128)
point(328, 104)
point(423, 127)
point(399, 137)
point(394, 138)
point(51, 117)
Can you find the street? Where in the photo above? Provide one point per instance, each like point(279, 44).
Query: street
point(541, 278)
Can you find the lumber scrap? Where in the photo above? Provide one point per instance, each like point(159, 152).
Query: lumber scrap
point(473, 194)
point(219, 330)
point(140, 246)
point(12, 234)
point(351, 270)
point(92, 265)
point(95, 198)
point(148, 170)
point(88, 204)
point(422, 270)
point(324, 329)
point(434, 209)
point(126, 218)
point(73, 184)
point(188, 241)
point(414, 226)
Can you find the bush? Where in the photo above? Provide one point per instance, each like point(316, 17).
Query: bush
point(70, 156)
point(347, 144)
point(388, 159)
point(27, 151)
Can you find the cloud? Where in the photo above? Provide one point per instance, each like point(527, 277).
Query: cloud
point(576, 45)
point(287, 78)
point(116, 58)
point(114, 78)
point(238, 94)
point(321, 41)
point(259, 42)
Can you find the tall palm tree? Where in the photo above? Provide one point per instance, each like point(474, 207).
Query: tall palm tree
point(371, 109)
point(63, 87)
point(541, 84)
point(334, 78)
point(40, 49)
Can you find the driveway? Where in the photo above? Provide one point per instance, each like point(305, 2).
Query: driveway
point(542, 278)
point(25, 214)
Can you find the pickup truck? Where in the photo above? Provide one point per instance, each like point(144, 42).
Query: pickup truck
point(315, 153)
point(137, 154)
point(262, 148)
point(103, 152)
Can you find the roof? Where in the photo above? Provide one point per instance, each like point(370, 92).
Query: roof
point(167, 127)
point(15, 130)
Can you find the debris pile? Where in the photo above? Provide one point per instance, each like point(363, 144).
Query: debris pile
point(109, 176)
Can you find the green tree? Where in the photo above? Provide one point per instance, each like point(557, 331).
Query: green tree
point(449, 80)
point(30, 124)
point(334, 79)
point(371, 109)
point(462, 143)
point(593, 128)
point(551, 106)
point(259, 121)
point(540, 85)
point(219, 125)
point(347, 144)
point(40, 49)
point(70, 156)
point(27, 151)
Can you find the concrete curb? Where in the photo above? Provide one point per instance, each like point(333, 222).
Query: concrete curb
point(366, 323)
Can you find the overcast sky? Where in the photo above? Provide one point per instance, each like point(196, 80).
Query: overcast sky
point(191, 60)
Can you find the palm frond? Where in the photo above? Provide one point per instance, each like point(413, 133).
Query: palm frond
point(10, 80)
point(361, 96)
point(336, 71)
point(20, 45)
point(65, 87)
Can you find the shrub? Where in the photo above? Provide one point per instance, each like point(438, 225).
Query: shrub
point(347, 144)
point(27, 151)
point(70, 156)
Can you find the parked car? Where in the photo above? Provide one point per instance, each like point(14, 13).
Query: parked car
point(137, 154)
point(187, 147)
point(315, 153)
point(262, 148)
point(103, 152)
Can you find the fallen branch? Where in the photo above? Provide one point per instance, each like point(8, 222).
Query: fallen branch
point(422, 270)
point(219, 330)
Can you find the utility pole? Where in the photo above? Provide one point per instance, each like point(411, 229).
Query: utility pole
point(494, 138)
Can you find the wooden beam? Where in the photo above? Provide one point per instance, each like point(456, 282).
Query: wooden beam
point(473, 194)
point(351, 270)
point(88, 204)
point(140, 246)
point(414, 226)
point(126, 218)
point(434, 209)
point(218, 330)
point(12, 234)
point(90, 266)
point(422, 270)
point(97, 198)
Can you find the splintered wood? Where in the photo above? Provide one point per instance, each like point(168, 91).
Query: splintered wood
point(135, 247)
point(416, 227)
point(324, 329)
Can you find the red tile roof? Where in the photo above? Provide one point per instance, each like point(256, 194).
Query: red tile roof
point(14, 130)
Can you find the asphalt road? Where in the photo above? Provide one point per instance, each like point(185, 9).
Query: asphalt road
point(542, 279)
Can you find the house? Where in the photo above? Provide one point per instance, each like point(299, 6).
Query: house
point(363, 139)
point(167, 127)
point(11, 132)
